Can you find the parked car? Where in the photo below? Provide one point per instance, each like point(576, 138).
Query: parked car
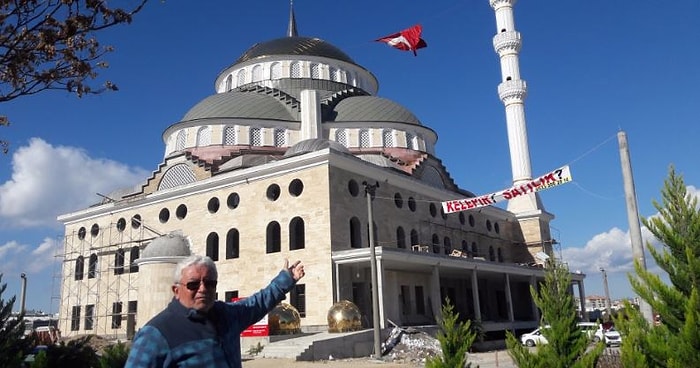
point(609, 335)
point(589, 328)
point(533, 338)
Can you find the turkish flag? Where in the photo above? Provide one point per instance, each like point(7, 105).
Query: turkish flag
point(408, 39)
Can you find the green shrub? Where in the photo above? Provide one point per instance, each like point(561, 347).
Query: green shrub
point(455, 337)
point(115, 356)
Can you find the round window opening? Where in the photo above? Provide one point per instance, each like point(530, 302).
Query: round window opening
point(136, 221)
point(94, 230)
point(433, 210)
point(398, 200)
point(213, 205)
point(233, 200)
point(121, 224)
point(353, 188)
point(181, 211)
point(164, 215)
point(296, 187)
point(81, 233)
point(411, 204)
point(273, 192)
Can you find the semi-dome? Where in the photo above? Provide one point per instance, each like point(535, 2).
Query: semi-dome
point(314, 144)
point(372, 108)
point(297, 46)
point(240, 105)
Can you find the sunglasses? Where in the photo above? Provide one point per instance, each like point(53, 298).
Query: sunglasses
point(194, 285)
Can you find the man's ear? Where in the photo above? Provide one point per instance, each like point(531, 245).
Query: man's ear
point(174, 288)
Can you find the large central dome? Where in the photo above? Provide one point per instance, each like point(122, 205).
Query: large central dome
point(298, 46)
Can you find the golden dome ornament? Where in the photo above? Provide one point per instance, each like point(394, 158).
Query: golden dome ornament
point(284, 319)
point(344, 316)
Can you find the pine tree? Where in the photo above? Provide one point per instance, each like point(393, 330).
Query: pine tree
point(676, 341)
point(13, 345)
point(455, 339)
point(567, 346)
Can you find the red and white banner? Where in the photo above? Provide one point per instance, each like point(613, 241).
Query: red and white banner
point(407, 40)
point(258, 329)
point(551, 179)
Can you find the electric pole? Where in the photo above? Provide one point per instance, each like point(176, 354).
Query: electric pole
point(369, 193)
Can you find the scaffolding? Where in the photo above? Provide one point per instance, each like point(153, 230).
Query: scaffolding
point(98, 280)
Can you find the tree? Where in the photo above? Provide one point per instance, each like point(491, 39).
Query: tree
point(13, 345)
point(51, 44)
point(676, 341)
point(455, 339)
point(567, 345)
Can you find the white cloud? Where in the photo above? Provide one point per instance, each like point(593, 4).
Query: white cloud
point(15, 257)
point(44, 256)
point(10, 248)
point(51, 180)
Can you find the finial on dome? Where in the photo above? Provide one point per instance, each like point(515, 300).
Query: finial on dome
point(292, 28)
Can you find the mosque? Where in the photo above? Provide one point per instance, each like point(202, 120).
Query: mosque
point(295, 156)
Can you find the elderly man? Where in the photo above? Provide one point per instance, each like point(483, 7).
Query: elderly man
point(195, 330)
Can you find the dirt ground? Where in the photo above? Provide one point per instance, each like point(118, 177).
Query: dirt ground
point(340, 363)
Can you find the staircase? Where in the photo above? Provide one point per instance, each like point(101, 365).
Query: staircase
point(320, 346)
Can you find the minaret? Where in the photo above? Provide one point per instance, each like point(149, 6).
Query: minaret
point(533, 218)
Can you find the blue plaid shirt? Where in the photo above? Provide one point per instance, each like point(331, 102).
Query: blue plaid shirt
point(182, 337)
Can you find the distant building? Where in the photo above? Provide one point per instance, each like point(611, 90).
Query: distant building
point(277, 163)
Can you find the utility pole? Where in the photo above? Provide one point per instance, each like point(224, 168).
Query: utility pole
point(633, 217)
point(23, 294)
point(369, 193)
point(607, 293)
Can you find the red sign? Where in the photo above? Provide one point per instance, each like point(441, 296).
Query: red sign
point(258, 329)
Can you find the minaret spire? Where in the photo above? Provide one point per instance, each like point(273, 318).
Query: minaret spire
point(292, 28)
point(512, 91)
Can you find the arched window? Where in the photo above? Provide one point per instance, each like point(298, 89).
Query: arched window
point(280, 137)
point(334, 75)
point(355, 233)
point(240, 78)
point(276, 71)
point(119, 262)
point(229, 82)
point(400, 238)
point(315, 71)
point(203, 136)
point(255, 137)
point(232, 244)
point(92, 266)
point(492, 255)
point(257, 73)
point(79, 267)
point(414, 237)
point(436, 243)
point(475, 250)
point(364, 138)
point(499, 252)
point(274, 239)
point(295, 70)
point(296, 234)
point(341, 136)
point(213, 246)
point(411, 141)
point(387, 138)
point(465, 247)
point(447, 242)
point(133, 256)
point(230, 136)
point(181, 140)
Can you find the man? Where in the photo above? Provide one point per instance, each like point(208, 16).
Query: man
point(195, 330)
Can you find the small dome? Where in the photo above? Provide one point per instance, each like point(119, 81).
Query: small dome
point(314, 144)
point(169, 245)
point(240, 105)
point(295, 46)
point(371, 108)
point(284, 319)
point(344, 316)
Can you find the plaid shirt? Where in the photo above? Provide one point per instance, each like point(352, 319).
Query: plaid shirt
point(181, 337)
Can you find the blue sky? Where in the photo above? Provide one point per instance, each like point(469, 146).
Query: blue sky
point(593, 67)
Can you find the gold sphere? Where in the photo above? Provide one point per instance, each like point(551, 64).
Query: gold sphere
point(344, 316)
point(284, 319)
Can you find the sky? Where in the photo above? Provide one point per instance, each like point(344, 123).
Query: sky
point(593, 68)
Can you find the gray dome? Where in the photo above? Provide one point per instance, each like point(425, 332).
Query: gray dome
point(240, 105)
point(169, 245)
point(296, 46)
point(314, 144)
point(371, 108)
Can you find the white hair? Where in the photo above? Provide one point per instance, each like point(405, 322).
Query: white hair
point(195, 260)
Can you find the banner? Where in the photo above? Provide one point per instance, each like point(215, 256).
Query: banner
point(551, 179)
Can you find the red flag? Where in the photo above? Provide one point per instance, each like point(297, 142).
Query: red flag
point(408, 39)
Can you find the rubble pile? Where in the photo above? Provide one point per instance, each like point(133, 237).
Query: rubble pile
point(413, 347)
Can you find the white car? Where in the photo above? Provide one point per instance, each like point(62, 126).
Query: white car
point(611, 336)
point(533, 338)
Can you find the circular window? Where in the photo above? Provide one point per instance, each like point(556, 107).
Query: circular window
point(94, 230)
point(496, 228)
point(213, 205)
point(233, 200)
point(121, 224)
point(181, 211)
point(433, 210)
point(296, 187)
point(81, 233)
point(353, 188)
point(488, 225)
point(136, 221)
point(411, 204)
point(462, 220)
point(398, 200)
point(273, 192)
point(443, 214)
point(471, 220)
point(164, 215)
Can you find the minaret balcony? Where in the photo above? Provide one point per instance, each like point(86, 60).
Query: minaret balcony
point(507, 43)
point(512, 91)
